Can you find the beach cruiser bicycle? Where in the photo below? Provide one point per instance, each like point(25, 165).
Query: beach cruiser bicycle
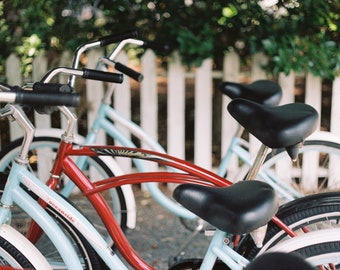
point(237, 209)
point(263, 92)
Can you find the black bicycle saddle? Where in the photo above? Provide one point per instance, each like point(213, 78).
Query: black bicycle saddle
point(237, 209)
point(285, 126)
point(261, 91)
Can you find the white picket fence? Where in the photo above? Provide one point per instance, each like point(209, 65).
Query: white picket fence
point(176, 77)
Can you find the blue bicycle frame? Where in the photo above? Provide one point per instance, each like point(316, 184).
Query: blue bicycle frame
point(13, 193)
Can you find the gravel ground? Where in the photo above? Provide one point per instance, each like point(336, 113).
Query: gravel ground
point(159, 234)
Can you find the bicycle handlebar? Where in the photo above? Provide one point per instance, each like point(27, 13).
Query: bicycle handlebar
point(85, 73)
point(123, 68)
point(129, 72)
point(156, 46)
point(16, 95)
point(103, 41)
point(117, 37)
point(52, 87)
point(49, 99)
point(93, 74)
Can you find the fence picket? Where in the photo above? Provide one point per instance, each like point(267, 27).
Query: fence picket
point(334, 167)
point(65, 61)
point(231, 72)
point(287, 83)
point(283, 168)
point(313, 92)
point(203, 115)
point(176, 98)
point(176, 108)
point(313, 98)
point(39, 70)
point(94, 93)
point(122, 103)
point(149, 98)
point(13, 75)
point(257, 73)
point(335, 115)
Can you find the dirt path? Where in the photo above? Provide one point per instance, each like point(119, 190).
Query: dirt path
point(159, 234)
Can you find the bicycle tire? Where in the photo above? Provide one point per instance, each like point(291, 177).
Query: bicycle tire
point(17, 252)
point(304, 179)
point(195, 264)
point(115, 197)
point(330, 252)
point(17, 256)
point(313, 212)
point(320, 248)
point(88, 256)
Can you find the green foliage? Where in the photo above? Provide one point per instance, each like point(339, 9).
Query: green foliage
point(28, 50)
point(293, 53)
point(5, 34)
point(300, 36)
point(296, 35)
point(195, 48)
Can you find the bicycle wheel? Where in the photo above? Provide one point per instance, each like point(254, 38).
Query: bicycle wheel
point(320, 248)
point(17, 252)
point(314, 171)
point(321, 254)
point(310, 213)
point(41, 157)
point(86, 254)
point(195, 264)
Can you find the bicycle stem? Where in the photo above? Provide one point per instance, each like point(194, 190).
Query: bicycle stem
point(71, 123)
point(20, 117)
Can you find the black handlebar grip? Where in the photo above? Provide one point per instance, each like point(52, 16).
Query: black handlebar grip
point(52, 87)
point(47, 99)
point(156, 46)
point(102, 76)
point(117, 37)
point(129, 72)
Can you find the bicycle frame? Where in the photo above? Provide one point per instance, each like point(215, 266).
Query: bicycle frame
point(106, 112)
point(106, 119)
point(13, 193)
point(64, 164)
point(190, 173)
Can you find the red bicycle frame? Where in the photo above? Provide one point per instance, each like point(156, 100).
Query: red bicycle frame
point(190, 173)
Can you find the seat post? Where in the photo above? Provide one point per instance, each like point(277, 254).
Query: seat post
point(259, 234)
point(260, 158)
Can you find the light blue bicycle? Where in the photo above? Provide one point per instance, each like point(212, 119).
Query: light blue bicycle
point(228, 212)
point(322, 148)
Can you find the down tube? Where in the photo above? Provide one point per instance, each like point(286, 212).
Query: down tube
point(72, 215)
point(54, 233)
